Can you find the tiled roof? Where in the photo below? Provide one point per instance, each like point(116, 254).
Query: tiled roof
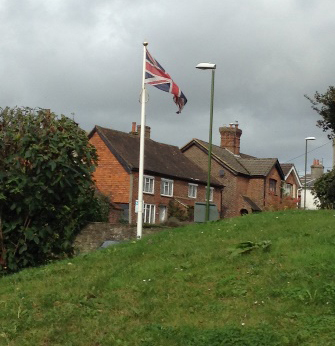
point(162, 159)
point(286, 167)
point(252, 204)
point(258, 166)
point(243, 163)
point(226, 156)
point(289, 168)
point(309, 181)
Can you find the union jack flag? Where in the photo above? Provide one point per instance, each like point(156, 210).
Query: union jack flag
point(156, 76)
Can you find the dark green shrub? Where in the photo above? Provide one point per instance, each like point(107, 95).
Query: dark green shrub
point(46, 186)
point(99, 209)
point(174, 210)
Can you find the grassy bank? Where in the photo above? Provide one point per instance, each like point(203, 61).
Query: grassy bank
point(186, 286)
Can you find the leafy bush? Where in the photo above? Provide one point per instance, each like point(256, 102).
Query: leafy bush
point(182, 214)
point(46, 186)
point(98, 211)
point(285, 203)
point(324, 189)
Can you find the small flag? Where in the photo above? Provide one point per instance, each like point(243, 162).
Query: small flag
point(156, 76)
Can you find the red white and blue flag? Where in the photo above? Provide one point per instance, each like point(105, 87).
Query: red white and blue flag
point(156, 76)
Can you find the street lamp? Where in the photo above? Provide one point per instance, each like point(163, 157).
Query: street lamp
point(306, 139)
point(209, 66)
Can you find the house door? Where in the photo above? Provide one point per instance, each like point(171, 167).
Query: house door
point(162, 213)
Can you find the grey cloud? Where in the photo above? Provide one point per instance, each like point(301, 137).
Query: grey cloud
point(86, 57)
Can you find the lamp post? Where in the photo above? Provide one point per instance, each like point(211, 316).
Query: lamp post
point(305, 187)
point(209, 66)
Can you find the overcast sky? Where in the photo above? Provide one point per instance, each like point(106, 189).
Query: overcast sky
point(85, 57)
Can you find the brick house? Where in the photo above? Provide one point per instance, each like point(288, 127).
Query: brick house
point(292, 183)
point(168, 175)
point(251, 184)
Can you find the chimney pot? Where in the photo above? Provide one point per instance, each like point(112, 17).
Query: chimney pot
point(133, 126)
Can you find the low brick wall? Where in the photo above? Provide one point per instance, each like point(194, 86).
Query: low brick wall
point(94, 234)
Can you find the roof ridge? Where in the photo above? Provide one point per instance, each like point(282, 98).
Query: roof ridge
point(259, 158)
point(224, 161)
point(137, 136)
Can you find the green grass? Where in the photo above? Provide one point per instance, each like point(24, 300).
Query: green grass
point(184, 287)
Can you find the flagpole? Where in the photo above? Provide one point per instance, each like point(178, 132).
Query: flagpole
point(141, 158)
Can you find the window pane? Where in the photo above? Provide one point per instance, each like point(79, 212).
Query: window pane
point(192, 191)
point(166, 187)
point(272, 185)
point(148, 185)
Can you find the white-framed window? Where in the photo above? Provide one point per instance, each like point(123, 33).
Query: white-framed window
point(288, 190)
point(211, 194)
point(192, 190)
point(167, 187)
point(148, 184)
point(149, 213)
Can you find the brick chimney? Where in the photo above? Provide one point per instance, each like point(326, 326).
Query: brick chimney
point(316, 169)
point(133, 129)
point(136, 131)
point(230, 138)
point(146, 133)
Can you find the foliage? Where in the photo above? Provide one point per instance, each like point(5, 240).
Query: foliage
point(286, 202)
point(324, 104)
point(46, 186)
point(174, 210)
point(181, 287)
point(98, 210)
point(324, 190)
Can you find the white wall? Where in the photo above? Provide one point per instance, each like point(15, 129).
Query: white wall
point(310, 200)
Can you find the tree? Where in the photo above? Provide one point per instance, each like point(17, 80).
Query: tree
point(324, 104)
point(324, 189)
point(46, 186)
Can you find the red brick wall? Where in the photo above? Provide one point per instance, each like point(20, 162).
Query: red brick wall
point(237, 186)
point(180, 192)
point(112, 180)
point(110, 176)
point(291, 179)
point(234, 187)
point(270, 197)
point(256, 191)
point(230, 138)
